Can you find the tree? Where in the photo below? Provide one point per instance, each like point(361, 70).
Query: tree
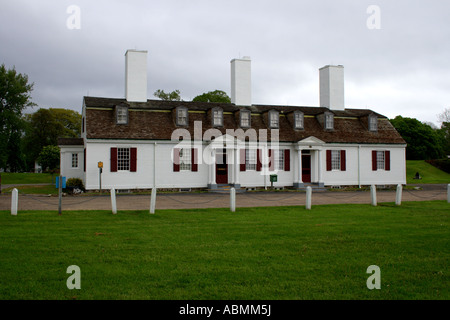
point(49, 158)
point(14, 98)
point(423, 141)
point(45, 126)
point(171, 96)
point(213, 96)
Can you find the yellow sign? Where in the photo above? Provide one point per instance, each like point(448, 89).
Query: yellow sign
point(100, 164)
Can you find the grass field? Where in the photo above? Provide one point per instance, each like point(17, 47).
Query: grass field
point(429, 173)
point(26, 178)
point(255, 253)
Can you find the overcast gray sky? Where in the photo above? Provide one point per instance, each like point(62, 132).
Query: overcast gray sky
point(398, 66)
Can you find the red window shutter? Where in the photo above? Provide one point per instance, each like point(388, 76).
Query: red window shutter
point(374, 160)
point(328, 160)
point(133, 159)
point(271, 160)
point(176, 159)
point(343, 161)
point(113, 159)
point(287, 160)
point(194, 166)
point(242, 160)
point(258, 160)
point(387, 160)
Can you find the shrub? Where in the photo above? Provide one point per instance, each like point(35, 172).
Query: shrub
point(443, 164)
point(75, 183)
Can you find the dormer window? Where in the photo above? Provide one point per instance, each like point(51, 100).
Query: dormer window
point(329, 121)
point(373, 123)
point(121, 115)
point(217, 117)
point(182, 116)
point(274, 119)
point(299, 120)
point(245, 118)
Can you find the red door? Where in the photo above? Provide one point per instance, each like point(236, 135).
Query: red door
point(221, 167)
point(306, 168)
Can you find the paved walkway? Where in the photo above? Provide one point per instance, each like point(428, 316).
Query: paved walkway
point(212, 200)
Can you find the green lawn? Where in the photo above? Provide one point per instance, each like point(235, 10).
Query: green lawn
point(26, 178)
point(255, 253)
point(429, 173)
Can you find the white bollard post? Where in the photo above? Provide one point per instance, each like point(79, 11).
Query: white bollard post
point(113, 201)
point(308, 197)
point(233, 200)
point(398, 195)
point(448, 193)
point(153, 201)
point(14, 201)
point(373, 195)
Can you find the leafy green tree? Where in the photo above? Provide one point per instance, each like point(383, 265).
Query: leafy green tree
point(14, 98)
point(423, 141)
point(213, 96)
point(45, 126)
point(171, 96)
point(49, 158)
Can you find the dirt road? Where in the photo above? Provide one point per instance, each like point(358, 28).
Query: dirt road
point(213, 200)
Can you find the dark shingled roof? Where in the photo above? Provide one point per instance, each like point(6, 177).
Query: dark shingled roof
point(70, 141)
point(154, 120)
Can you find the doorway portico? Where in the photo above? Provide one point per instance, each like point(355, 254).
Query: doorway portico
point(309, 166)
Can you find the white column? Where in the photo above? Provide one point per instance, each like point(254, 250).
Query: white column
point(319, 165)
point(237, 167)
point(299, 177)
point(213, 166)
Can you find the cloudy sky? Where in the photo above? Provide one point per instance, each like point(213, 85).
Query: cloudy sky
point(396, 54)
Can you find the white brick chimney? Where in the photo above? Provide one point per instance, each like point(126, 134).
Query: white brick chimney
point(136, 76)
point(332, 87)
point(241, 83)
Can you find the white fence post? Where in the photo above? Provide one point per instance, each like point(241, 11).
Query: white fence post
point(113, 201)
point(308, 197)
point(398, 195)
point(233, 199)
point(448, 193)
point(14, 201)
point(153, 201)
point(373, 195)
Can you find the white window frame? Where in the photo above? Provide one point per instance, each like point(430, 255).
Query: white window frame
point(123, 159)
point(245, 122)
point(299, 120)
point(75, 161)
point(274, 119)
point(373, 123)
point(279, 160)
point(381, 157)
point(217, 117)
point(121, 115)
point(250, 159)
point(335, 160)
point(329, 121)
point(185, 159)
point(182, 119)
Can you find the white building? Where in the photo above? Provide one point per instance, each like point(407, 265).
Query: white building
point(138, 141)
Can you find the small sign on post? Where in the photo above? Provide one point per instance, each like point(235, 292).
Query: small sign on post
point(100, 170)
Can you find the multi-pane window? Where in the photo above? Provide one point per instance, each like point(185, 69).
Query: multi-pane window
point(335, 159)
point(123, 159)
point(373, 122)
point(279, 159)
point(245, 119)
point(250, 159)
point(121, 115)
point(298, 120)
point(182, 116)
point(185, 160)
point(380, 160)
point(329, 121)
point(274, 119)
point(74, 160)
point(217, 117)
